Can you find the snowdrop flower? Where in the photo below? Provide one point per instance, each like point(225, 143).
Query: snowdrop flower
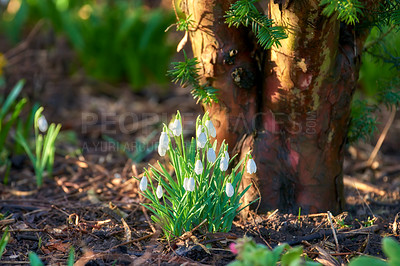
point(143, 183)
point(163, 144)
point(198, 167)
point(211, 128)
point(190, 184)
point(251, 166)
point(42, 123)
point(201, 140)
point(159, 191)
point(227, 155)
point(176, 128)
point(162, 150)
point(229, 190)
point(185, 183)
point(223, 165)
point(211, 157)
point(199, 130)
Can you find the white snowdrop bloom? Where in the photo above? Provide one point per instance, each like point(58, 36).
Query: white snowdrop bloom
point(42, 124)
point(223, 165)
point(162, 150)
point(229, 190)
point(211, 128)
point(227, 155)
point(251, 166)
point(211, 157)
point(185, 183)
point(143, 183)
point(201, 140)
point(159, 191)
point(164, 141)
point(176, 128)
point(198, 167)
point(190, 184)
point(199, 130)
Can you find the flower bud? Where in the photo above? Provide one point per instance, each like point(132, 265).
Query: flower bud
point(162, 150)
point(199, 130)
point(190, 184)
point(176, 128)
point(251, 166)
point(143, 183)
point(201, 140)
point(211, 128)
point(159, 191)
point(42, 123)
point(223, 165)
point(185, 183)
point(211, 157)
point(164, 141)
point(229, 190)
point(227, 155)
point(198, 167)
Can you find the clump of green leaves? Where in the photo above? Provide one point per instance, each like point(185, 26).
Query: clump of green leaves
point(42, 156)
point(201, 190)
point(244, 13)
point(186, 73)
point(250, 253)
point(347, 11)
point(184, 24)
point(390, 247)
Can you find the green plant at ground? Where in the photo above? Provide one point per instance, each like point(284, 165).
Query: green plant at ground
point(34, 259)
point(115, 40)
point(4, 241)
point(201, 190)
point(250, 253)
point(390, 247)
point(42, 156)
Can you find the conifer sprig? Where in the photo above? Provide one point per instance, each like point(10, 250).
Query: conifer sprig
point(186, 74)
point(348, 11)
point(244, 12)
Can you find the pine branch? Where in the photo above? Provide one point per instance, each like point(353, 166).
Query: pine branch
point(347, 11)
point(244, 12)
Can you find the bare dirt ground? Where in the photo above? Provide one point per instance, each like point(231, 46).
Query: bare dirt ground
point(92, 203)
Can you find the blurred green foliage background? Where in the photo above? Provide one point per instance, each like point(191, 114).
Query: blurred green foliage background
point(116, 40)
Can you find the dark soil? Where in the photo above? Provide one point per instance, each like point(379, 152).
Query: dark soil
point(82, 205)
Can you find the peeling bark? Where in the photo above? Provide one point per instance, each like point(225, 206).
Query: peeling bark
point(292, 109)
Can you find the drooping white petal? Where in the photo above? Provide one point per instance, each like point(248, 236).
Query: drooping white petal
point(198, 167)
point(211, 128)
point(223, 165)
point(185, 183)
point(159, 191)
point(162, 150)
point(211, 157)
point(201, 140)
point(229, 190)
point(251, 166)
point(190, 184)
point(176, 128)
point(227, 155)
point(42, 124)
point(199, 130)
point(164, 141)
point(143, 183)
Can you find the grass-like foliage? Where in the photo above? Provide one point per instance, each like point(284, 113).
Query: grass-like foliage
point(200, 189)
point(186, 74)
point(4, 241)
point(347, 11)
point(250, 253)
point(42, 156)
point(244, 13)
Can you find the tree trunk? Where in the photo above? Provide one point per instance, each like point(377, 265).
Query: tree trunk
point(289, 105)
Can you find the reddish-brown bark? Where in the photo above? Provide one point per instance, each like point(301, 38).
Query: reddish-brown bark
point(289, 105)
